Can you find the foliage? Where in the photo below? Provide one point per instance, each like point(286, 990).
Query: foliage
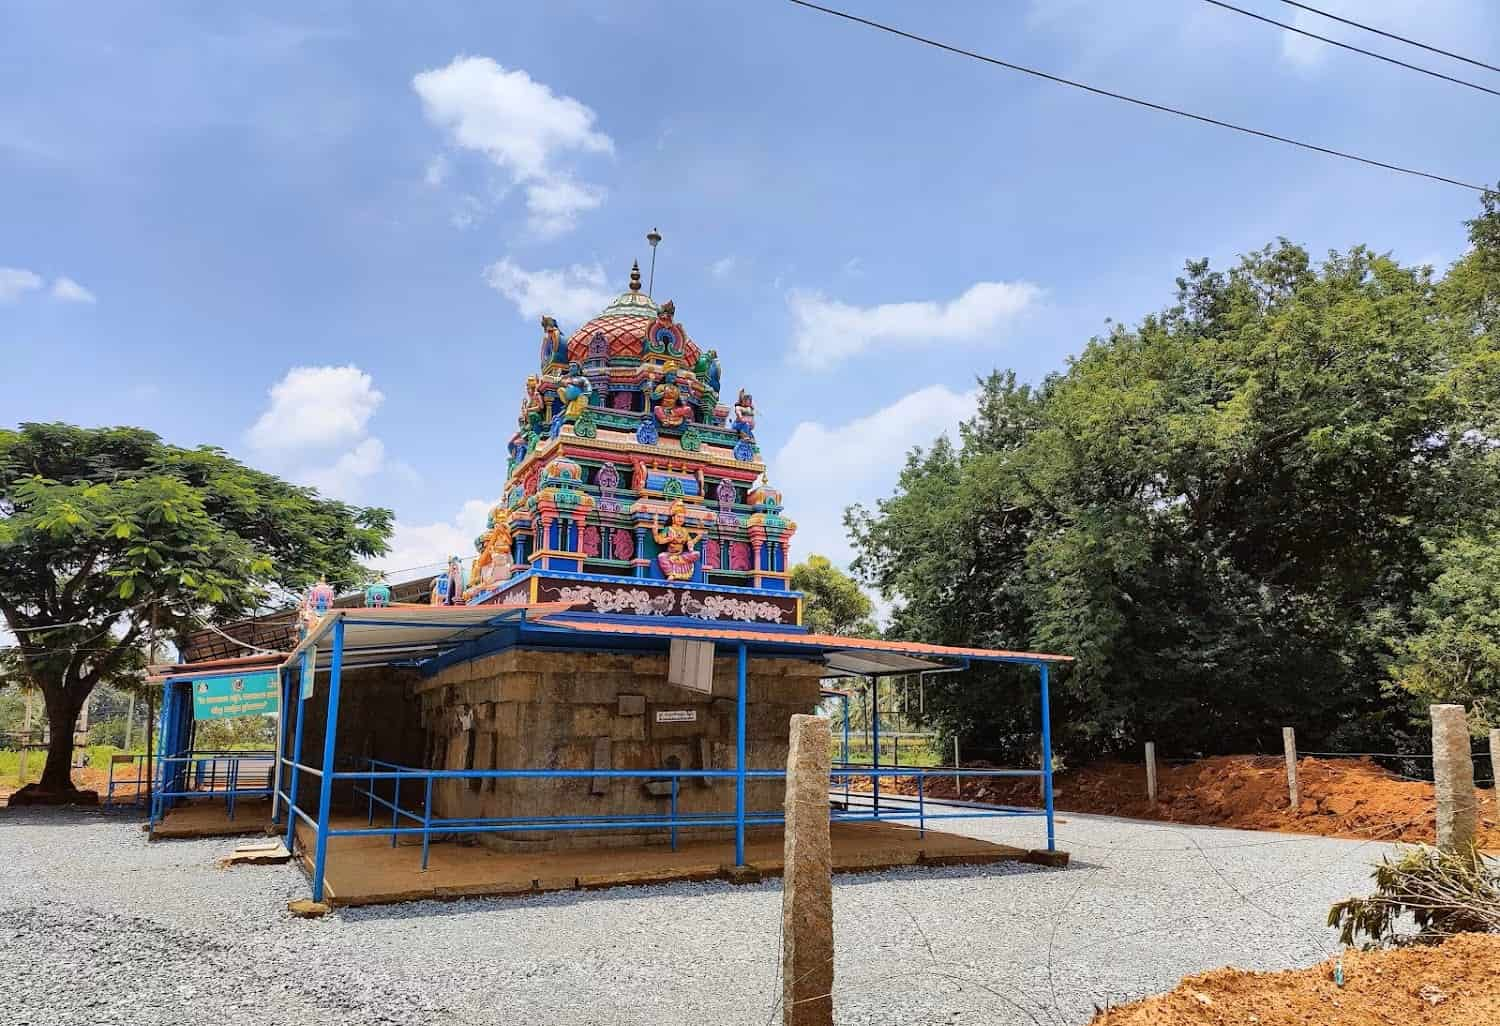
point(832, 602)
point(1231, 513)
point(1443, 893)
point(1453, 655)
point(106, 531)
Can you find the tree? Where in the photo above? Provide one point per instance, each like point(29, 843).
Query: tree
point(832, 603)
point(1227, 512)
point(1453, 654)
point(107, 532)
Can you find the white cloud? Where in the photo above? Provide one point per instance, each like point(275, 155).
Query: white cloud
point(723, 267)
point(571, 294)
point(823, 469)
point(315, 430)
point(554, 206)
point(523, 127)
point(436, 172)
point(345, 476)
point(317, 408)
point(826, 332)
point(69, 291)
point(16, 282)
point(420, 549)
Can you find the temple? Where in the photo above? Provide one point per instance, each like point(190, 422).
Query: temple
point(632, 489)
point(613, 670)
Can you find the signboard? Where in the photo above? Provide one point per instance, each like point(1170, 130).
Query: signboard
point(227, 695)
point(677, 716)
point(311, 675)
point(691, 665)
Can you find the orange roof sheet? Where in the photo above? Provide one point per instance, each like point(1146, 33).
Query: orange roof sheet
point(819, 641)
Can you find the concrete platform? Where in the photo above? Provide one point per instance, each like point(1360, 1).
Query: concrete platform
point(368, 871)
point(210, 818)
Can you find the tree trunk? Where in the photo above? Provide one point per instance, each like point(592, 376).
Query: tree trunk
point(62, 719)
point(56, 786)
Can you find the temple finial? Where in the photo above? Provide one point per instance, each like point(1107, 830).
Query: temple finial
point(635, 276)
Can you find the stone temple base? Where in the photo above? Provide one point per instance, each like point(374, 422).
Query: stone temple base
point(536, 709)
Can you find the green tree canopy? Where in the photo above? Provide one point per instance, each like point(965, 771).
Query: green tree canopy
point(1229, 513)
point(105, 532)
point(832, 603)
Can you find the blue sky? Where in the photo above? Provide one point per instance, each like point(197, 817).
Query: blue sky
point(319, 235)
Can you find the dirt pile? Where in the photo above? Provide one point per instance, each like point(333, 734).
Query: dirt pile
point(1340, 797)
point(1456, 983)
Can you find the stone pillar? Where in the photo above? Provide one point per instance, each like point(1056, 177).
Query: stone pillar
point(1453, 778)
point(807, 880)
point(1151, 771)
point(1495, 759)
point(1289, 742)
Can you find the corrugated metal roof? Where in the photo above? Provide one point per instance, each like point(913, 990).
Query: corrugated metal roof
point(402, 633)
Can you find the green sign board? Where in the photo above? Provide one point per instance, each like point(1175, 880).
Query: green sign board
point(229, 695)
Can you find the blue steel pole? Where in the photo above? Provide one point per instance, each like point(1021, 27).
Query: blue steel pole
point(739, 760)
point(845, 699)
point(291, 787)
point(395, 806)
point(330, 739)
point(875, 741)
point(160, 769)
point(1047, 759)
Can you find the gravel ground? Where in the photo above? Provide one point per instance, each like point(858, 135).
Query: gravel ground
point(97, 926)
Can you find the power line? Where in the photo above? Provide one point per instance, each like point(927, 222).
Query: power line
point(1390, 35)
point(1139, 102)
point(1356, 49)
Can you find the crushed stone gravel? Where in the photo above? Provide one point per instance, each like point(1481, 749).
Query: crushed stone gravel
point(98, 926)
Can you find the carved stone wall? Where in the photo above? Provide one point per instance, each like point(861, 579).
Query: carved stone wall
point(522, 709)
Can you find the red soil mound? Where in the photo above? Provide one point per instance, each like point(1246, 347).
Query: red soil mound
point(1340, 797)
point(1456, 983)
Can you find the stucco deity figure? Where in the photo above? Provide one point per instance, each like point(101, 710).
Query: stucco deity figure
point(531, 405)
point(448, 587)
point(679, 557)
point(319, 600)
point(576, 390)
point(493, 564)
point(378, 593)
point(552, 343)
point(666, 399)
point(742, 419)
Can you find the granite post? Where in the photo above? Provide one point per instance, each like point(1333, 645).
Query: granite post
point(807, 880)
point(1151, 771)
point(1453, 778)
point(1289, 742)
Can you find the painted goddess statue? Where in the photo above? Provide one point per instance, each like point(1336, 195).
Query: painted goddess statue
point(679, 558)
point(742, 420)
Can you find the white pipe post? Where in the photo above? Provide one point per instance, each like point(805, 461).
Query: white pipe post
point(1151, 771)
point(958, 784)
point(1289, 742)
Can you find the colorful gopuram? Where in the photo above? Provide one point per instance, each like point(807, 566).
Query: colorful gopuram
point(633, 487)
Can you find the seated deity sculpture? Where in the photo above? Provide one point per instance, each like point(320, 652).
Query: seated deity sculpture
point(666, 399)
point(576, 390)
point(679, 558)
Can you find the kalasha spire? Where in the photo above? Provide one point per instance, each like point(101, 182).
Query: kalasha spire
point(635, 276)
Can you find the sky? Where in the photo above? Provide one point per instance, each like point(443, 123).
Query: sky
point(319, 235)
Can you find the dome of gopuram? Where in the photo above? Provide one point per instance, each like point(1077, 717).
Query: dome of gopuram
point(624, 323)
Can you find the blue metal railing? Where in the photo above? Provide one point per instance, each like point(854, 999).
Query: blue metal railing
point(229, 775)
point(128, 787)
point(417, 818)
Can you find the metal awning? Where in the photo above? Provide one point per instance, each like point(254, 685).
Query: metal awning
point(380, 636)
